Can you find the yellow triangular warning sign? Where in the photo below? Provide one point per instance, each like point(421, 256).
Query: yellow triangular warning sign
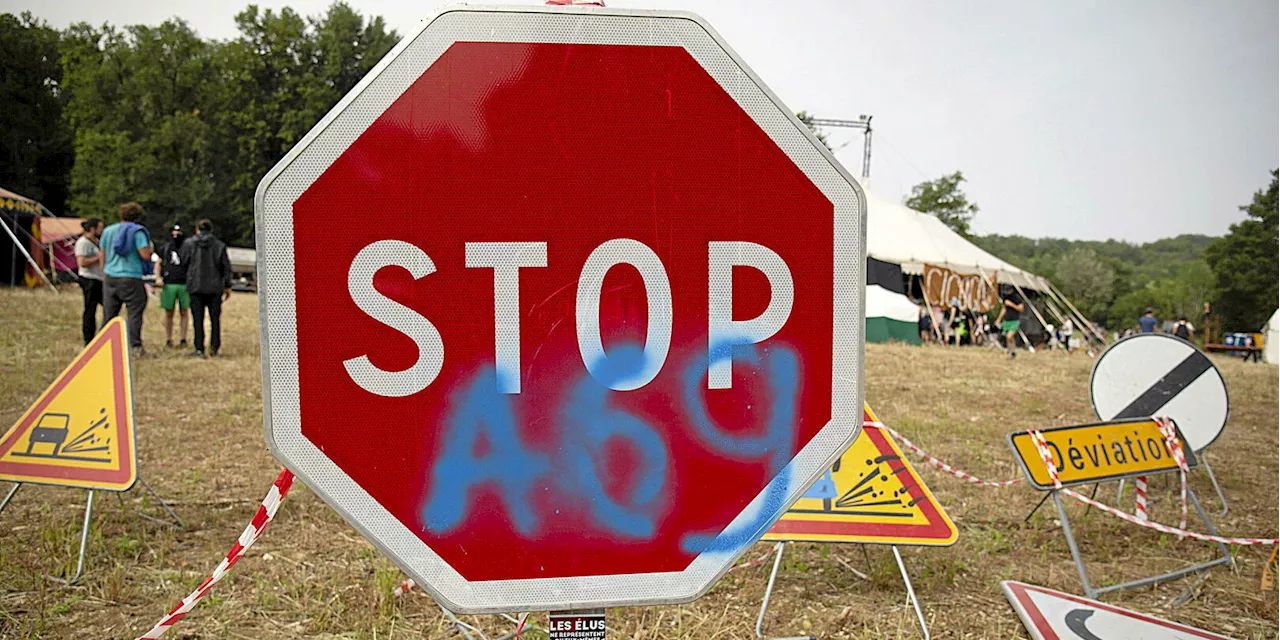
point(870, 495)
point(79, 433)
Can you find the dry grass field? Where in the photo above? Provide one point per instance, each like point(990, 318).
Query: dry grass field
point(311, 575)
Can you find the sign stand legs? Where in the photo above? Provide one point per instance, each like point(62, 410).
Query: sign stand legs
point(1204, 462)
point(1092, 592)
point(175, 521)
point(911, 592)
point(773, 576)
point(5, 502)
point(768, 591)
point(84, 543)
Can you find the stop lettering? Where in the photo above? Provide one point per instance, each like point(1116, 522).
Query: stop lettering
point(585, 308)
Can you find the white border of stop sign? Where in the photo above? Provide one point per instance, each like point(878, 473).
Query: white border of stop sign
point(348, 120)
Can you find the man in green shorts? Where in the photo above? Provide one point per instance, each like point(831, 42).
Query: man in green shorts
point(1010, 319)
point(172, 277)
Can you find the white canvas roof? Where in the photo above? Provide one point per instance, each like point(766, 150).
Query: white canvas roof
point(904, 236)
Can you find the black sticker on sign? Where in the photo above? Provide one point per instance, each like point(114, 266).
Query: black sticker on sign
point(577, 625)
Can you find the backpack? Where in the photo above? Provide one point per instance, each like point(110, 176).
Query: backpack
point(1181, 331)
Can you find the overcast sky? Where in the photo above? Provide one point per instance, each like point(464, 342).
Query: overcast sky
point(1126, 119)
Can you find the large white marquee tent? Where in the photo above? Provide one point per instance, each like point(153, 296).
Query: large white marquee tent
point(906, 237)
point(899, 235)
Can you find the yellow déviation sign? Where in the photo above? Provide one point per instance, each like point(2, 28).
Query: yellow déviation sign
point(79, 432)
point(1097, 452)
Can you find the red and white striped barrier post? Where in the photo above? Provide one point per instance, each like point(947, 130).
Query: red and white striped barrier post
point(1140, 498)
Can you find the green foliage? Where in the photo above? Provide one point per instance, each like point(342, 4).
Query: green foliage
point(186, 126)
point(1167, 275)
point(1244, 264)
point(943, 199)
point(35, 143)
point(1085, 279)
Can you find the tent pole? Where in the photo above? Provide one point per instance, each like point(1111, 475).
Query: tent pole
point(1022, 293)
point(30, 261)
point(1087, 325)
point(1053, 309)
point(1043, 324)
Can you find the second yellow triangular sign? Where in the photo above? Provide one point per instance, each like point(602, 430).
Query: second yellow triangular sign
point(871, 495)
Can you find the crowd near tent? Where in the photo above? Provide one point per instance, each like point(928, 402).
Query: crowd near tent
point(902, 244)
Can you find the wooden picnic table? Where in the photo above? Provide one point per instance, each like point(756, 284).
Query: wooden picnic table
point(1251, 353)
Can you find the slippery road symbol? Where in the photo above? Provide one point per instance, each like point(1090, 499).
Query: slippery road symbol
point(1075, 620)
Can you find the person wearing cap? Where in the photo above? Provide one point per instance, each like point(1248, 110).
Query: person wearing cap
point(171, 276)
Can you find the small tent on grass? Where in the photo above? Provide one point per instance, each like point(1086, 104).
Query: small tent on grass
point(1271, 339)
point(20, 218)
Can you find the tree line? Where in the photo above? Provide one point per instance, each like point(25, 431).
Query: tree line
point(1114, 282)
point(92, 116)
point(96, 116)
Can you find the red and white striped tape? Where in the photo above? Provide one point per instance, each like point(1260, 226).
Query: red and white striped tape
point(752, 563)
point(1140, 498)
point(1043, 448)
point(938, 464)
point(1165, 528)
point(1175, 447)
point(279, 489)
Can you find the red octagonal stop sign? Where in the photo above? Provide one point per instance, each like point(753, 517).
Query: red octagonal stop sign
point(561, 308)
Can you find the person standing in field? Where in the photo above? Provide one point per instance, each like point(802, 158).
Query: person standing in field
point(1010, 319)
point(208, 284)
point(954, 320)
point(1148, 323)
point(1184, 329)
point(172, 280)
point(925, 325)
point(1068, 327)
point(89, 260)
point(128, 248)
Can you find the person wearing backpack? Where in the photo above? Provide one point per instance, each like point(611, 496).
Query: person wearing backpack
point(208, 284)
point(1184, 329)
point(128, 249)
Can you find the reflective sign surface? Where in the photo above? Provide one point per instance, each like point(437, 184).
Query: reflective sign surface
point(561, 307)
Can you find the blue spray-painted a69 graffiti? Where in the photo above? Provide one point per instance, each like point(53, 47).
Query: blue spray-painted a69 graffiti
point(586, 423)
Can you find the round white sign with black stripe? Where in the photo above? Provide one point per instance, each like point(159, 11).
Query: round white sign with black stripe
point(1158, 374)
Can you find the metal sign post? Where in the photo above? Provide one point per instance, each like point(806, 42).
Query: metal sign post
point(1059, 457)
point(565, 322)
point(779, 547)
point(1162, 374)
